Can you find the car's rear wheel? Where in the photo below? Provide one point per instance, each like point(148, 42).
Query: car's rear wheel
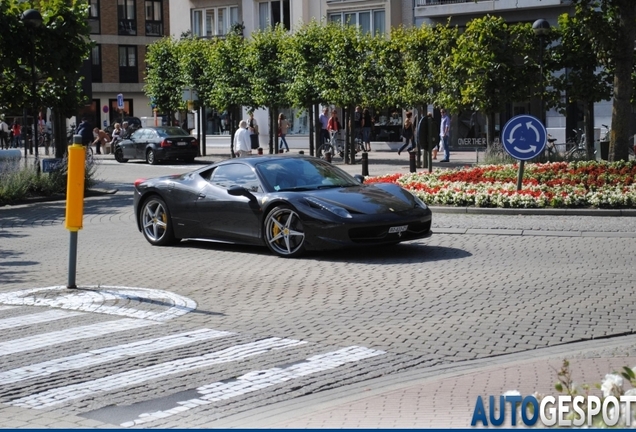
point(156, 223)
point(151, 158)
point(119, 156)
point(284, 232)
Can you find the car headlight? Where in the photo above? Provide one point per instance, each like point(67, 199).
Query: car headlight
point(338, 211)
point(419, 202)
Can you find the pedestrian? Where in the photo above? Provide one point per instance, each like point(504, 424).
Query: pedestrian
point(125, 130)
point(367, 123)
point(408, 133)
point(333, 125)
point(357, 124)
point(324, 121)
point(116, 136)
point(283, 125)
point(444, 130)
point(86, 131)
point(100, 138)
point(242, 146)
point(252, 126)
point(16, 130)
point(4, 134)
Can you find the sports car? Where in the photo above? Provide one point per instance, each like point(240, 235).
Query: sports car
point(291, 204)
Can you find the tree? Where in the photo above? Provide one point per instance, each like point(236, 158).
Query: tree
point(306, 64)
point(267, 77)
point(496, 66)
point(58, 49)
point(165, 79)
point(610, 26)
point(586, 79)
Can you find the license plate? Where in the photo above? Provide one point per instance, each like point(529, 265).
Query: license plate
point(181, 143)
point(398, 229)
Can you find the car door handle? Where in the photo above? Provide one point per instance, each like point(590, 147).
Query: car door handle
point(201, 196)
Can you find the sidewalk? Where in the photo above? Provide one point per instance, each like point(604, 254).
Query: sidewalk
point(443, 396)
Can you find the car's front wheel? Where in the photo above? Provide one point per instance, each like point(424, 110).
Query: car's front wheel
point(284, 232)
point(119, 156)
point(156, 223)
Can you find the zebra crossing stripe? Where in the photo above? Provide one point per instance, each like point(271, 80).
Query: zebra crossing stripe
point(91, 331)
point(257, 380)
point(36, 318)
point(121, 380)
point(108, 354)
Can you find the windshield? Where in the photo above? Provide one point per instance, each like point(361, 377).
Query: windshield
point(302, 174)
point(171, 131)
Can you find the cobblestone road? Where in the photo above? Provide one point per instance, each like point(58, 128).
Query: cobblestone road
point(247, 329)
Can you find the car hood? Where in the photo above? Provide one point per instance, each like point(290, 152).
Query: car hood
point(367, 199)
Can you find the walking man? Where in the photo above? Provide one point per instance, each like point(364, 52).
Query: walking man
point(242, 143)
point(444, 130)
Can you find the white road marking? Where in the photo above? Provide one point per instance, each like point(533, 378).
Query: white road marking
point(6, 307)
point(95, 298)
point(258, 380)
point(121, 380)
point(36, 318)
point(59, 337)
point(108, 354)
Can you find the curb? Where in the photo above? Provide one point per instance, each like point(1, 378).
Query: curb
point(59, 197)
point(536, 211)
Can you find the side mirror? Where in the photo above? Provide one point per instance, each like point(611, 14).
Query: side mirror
point(240, 191)
point(359, 178)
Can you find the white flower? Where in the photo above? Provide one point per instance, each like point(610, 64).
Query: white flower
point(612, 385)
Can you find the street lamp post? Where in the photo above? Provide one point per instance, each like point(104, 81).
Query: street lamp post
point(32, 19)
point(541, 28)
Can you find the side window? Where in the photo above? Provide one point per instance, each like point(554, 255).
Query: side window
point(235, 174)
point(137, 135)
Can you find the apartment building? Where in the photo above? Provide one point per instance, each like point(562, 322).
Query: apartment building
point(122, 29)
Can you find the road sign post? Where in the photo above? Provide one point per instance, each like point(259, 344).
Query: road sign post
point(524, 138)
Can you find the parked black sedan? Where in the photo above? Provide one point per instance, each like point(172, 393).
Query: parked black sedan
point(156, 144)
point(288, 203)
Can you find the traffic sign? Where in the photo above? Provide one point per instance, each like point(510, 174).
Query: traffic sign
point(524, 137)
point(120, 101)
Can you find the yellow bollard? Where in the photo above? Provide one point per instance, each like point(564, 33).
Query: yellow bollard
point(74, 201)
point(75, 186)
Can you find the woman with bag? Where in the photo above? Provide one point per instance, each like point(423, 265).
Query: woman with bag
point(407, 133)
point(282, 132)
point(253, 128)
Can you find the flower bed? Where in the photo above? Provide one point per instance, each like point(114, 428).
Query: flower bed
point(557, 184)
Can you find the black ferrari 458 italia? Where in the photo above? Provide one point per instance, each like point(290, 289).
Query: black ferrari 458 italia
point(288, 203)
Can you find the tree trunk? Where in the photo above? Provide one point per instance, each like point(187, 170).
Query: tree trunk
point(490, 129)
point(588, 116)
point(59, 133)
point(316, 120)
point(623, 86)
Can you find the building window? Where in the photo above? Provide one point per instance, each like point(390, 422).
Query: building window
point(272, 13)
point(372, 21)
point(96, 63)
point(128, 64)
point(126, 17)
point(93, 16)
point(154, 18)
point(214, 22)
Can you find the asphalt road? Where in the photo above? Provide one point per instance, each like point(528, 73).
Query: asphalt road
point(202, 331)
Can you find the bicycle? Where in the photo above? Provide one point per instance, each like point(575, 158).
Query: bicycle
point(336, 146)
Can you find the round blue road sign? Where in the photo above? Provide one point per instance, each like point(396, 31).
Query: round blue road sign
point(524, 137)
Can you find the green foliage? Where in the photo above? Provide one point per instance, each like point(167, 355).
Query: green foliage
point(165, 80)
point(267, 75)
point(417, 45)
point(229, 73)
point(57, 49)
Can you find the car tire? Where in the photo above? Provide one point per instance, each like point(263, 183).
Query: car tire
point(119, 156)
point(151, 157)
point(189, 160)
point(284, 233)
point(156, 223)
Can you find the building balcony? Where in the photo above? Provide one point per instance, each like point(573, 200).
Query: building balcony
point(438, 8)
